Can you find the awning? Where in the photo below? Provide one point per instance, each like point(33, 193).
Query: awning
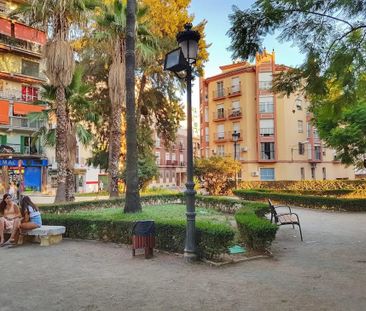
point(4, 112)
point(27, 33)
point(24, 109)
point(5, 26)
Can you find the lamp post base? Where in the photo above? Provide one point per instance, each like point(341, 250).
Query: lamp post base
point(190, 257)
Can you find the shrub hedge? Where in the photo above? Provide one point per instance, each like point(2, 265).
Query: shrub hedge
point(255, 231)
point(339, 204)
point(212, 239)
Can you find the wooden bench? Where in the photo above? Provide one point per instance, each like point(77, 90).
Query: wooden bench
point(284, 218)
point(47, 235)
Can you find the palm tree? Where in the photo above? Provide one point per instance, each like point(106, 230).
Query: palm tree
point(112, 23)
point(79, 113)
point(58, 17)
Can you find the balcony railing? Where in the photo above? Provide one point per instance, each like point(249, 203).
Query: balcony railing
point(25, 123)
point(221, 136)
point(266, 107)
point(26, 46)
point(265, 85)
point(234, 113)
point(19, 149)
point(219, 115)
point(269, 155)
point(234, 90)
point(219, 93)
point(266, 131)
point(17, 95)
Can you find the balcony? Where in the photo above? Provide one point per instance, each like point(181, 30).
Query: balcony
point(19, 149)
point(265, 85)
point(171, 162)
point(219, 94)
point(219, 115)
point(221, 137)
point(23, 123)
point(268, 155)
point(22, 46)
point(234, 113)
point(18, 96)
point(266, 131)
point(234, 90)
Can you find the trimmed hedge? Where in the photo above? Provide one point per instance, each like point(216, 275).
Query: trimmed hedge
point(338, 204)
point(212, 239)
point(256, 232)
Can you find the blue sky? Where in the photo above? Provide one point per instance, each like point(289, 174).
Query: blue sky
point(216, 13)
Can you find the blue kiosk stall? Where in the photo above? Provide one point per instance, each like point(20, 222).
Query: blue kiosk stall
point(29, 173)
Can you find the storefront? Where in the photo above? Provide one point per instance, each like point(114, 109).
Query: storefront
point(29, 174)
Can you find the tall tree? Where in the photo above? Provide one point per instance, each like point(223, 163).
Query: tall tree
point(58, 17)
point(80, 115)
point(133, 203)
point(332, 36)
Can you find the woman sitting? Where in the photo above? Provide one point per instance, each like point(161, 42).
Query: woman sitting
point(31, 215)
point(9, 220)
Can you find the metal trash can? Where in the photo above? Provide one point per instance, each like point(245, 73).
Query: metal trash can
point(143, 236)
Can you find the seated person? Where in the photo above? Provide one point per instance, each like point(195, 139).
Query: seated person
point(9, 220)
point(31, 215)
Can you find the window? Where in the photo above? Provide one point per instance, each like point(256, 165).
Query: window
point(318, 154)
point(235, 85)
point(206, 135)
point(300, 126)
point(220, 132)
point(324, 170)
point(29, 93)
point(266, 127)
point(207, 153)
point(236, 151)
point(167, 158)
point(181, 158)
point(235, 109)
point(174, 159)
point(298, 103)
point(312, 172)
point(206, 114)
point(30, 68)
point(157, 141)
point(267, 151)
point(77, 158)
point(221, 150)
point(157, 156)
point(301, 148)
point(220, 89)
point(240, 176)
point(316, 134)
point(308, 129)
point(265, 80)
point(302, 173)
point(266, 104)
point(236, 127)
point(267, 173)
point(220, 111)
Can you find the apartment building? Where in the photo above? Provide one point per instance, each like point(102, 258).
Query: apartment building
point(273, 135)
point(20, 79)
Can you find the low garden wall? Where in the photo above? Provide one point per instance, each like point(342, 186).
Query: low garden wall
point(311, 201)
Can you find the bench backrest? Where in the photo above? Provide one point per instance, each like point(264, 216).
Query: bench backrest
point(273, 210)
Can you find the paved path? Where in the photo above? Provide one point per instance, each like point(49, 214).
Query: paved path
point(326, 272)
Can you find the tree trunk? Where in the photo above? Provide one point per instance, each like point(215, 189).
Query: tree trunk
point(70, 176)
point(61, 144)
point(133, 203)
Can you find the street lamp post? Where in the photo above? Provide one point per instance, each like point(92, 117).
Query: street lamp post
point(178, 60)
point(235, 136)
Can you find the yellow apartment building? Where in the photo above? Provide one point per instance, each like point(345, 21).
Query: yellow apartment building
point(276, 138)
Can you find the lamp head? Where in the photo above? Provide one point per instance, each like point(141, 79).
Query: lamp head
point(188, 42)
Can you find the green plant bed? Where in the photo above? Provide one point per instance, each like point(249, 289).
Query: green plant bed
point(311, 201)
point(255, 230)
point(214, 234)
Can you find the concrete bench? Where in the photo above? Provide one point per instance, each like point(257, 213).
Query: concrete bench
point(47, 235)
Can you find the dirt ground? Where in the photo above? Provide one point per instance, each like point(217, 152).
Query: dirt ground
point(325, 272)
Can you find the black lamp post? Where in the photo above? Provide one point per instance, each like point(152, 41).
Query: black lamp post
point(178, 60)
point(235, 136)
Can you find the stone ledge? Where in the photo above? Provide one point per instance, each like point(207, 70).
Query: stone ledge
point(46, 230)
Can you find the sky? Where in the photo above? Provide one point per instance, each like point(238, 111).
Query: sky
point(216, 13)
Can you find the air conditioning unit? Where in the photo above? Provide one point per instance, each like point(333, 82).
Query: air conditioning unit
point(255, 174)
point(244, 149)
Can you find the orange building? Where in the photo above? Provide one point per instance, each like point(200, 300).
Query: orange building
point(20, 80)
point(277, 140)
